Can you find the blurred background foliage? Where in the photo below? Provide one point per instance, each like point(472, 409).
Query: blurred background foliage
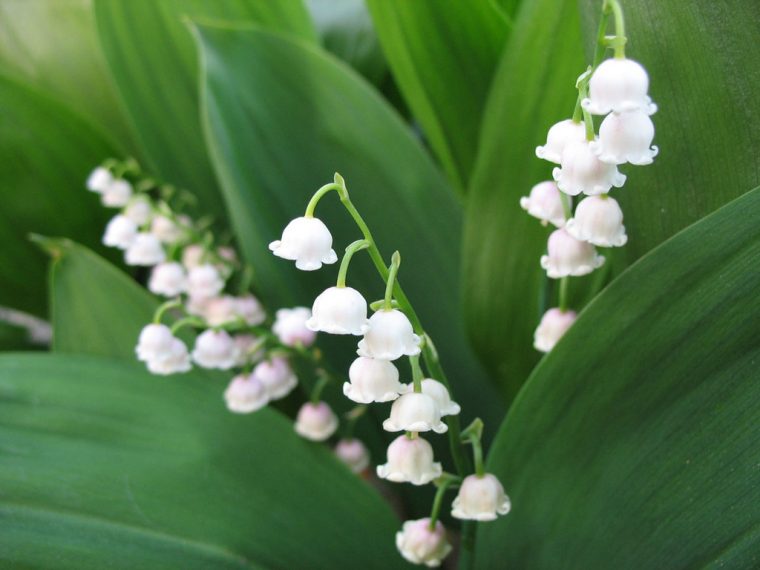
point(431, 110)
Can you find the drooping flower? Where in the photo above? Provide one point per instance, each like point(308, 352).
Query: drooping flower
point(120, 232)
point(176, 360)
point(389, 336)
point(415, 412)
point(214, 349)
point(116, 194)
point(155, 340)
point(308, 242)
point(440, 394)
point(192, 256)
point(277, 377)
point(139, 210)
point(290, 327)
point(552, 327)
point(410, 461)
point(559, 137)
point(569, 256)
point(245, 394)
point(599, 221)
point(316, 422)
point(339, 310)
point(167, 279)
point(167, 230)
point(353, 453)
point(545, 203)
point(144, 250)
point(619, 85)
point(249, 309)
point(99, 180)
point(583, 172)
point(372, 380)
point(204, 282)
point(480, 498)
point(418, 544)
point(626, 137)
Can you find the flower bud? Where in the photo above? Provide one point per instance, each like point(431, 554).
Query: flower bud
point(560, 135)
point(174, 361)
point(480, 499)
point(568, 256)
point(116, 194)
point(167, 230)
point(139, 210)
point(316, 422)
point(552, 327)
point(192, 256)
point(583, 172)
point(276, 376)
point(599, 221)
point(372, 380)
point(214, 349)
point(155, 341)
point(545, 203)
point(410, 461)
point(339, 310)
point(249, 309)
point(440, 394)
point(389, 336)
point(418, 544)
point(167, 279)
point(204, 282)
point(290, 327)
point(415, 412)
point(353, 453)
point(120, 232)
point(308, 242)
point(245, 394)
point(626, 137)
point(99, 180)
point(618, 85)
point(144, 250)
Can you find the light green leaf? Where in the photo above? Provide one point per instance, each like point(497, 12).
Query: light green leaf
point(46, 153)
point(282, 116)
point(152, 60)
point(106, 465)
point(636, 441)
point(443, 55)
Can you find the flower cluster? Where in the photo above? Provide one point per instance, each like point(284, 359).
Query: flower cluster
point(617, 89)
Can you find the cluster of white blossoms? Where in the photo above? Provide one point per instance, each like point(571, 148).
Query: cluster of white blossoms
point(418, 407)
point(588, 165)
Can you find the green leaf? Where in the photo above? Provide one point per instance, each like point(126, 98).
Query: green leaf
point(533, 88)
point(106, 465)
point(635, 443)
point(152, 60)
point(282, 117)
point(443, 55)
point(46, 153)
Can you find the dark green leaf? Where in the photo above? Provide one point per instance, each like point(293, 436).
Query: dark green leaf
point(636, 442)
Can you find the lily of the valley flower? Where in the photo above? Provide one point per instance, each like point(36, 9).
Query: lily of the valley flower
point(176, 360)
point(204, 282)
point(553, 326)
point(116, 194)
point(415, 412)
point(558, 138)
point(440, 394)
point(353, 453)
point(372, 380)
point(390, 336)
point(619, 85)
point(214, 349)
point(410, 460)
point(139, 210)
point(166, 230)
point(290, 327)
point(626, 137)
point(277, 377)
point(167, 279)
point(480, 498)
point(599, 221)
point(161, 351)
point(339, 310)
point(569, 256)
point(308, 242)
point(545, 203)
point(316, 422)
point(120, 232)
point(144, 250)
point(581, 171)
point(420, 545)
point(245, 394)
point(99, 180)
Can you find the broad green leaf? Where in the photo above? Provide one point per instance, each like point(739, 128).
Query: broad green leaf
point(443, 55)
point(152, 60)
point(532, 89)
point(282, 116)
point(636, 441)
point(106, 465)
point(46, 153)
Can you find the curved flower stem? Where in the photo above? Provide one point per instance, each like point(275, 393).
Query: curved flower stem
point(563, 283)
point(187, 322)
point(416, 373)
point(350, 251)
point(473, 434)
point(352, 416)
point(163, 307)
point(391, 280)
point(620, 39)
point(316, 392)
point(443, 483)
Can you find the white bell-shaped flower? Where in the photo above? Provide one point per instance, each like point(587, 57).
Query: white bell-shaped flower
point(583, 172)
point(480, 499)
point(440, 394)
point(410, 461)
point(214, 349)
point(277, 377)
point(154, 342)
point(192, 256)
point(99, 180)
point(144, 250)
point(246, 349)
point(316, 422)
point(599, 221)
point(167, 230)
point(389, 336)
point(569, 256)
point(245, 394)
point(545, 203)
point(619, 85)
point(339, 310)
point(116, 194)
point(120, 232)
point(308, 242)
point(250, 310)
point(167, 279)
point(553, 326)
point(353, 453)
point(176, 360)
point(139, 210)
point(418, 544)
point(626, 137)
point(219, 311)
point(204, 282)
point(372, 380)
point(560, 135)
point(415, 412)
point(290, 327)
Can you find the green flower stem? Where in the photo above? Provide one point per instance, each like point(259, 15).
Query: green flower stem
point(311, 206)
point(443, 483)
point(391, 280)
point(316, 392)
point(473, 434)
point(620, 39)
point(563, 293)
point(352, 416)
point(350, 251)
point(187, 322)
point(416, 373)
point(162, 308)
point(567, 205)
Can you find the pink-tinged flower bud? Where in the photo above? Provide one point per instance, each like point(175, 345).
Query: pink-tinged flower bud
point(410, 461)
point(418, 544)
point(599, 221)
point(174, 361)
point(290, 327)
point(167, 279)
point(626, 137)
point(167, 230)
point(245, 349)
point(99, 180)
point(553, 325)
point(560, 135)
point(214, 349)
point(204, 282)
point(415, 412)
point(116, 194)
point(390, 336)
point(227, 253)
point(480, 499)
point(245, 394)
point(139, 210)
point(155, 341)
point(372, 380)
point(353, 453)
point(316, 422)
point(249, 309)
point(583, 172)
point(192, 256)
point(569, 256)
point(308, 242)
point(440, 394)
point(545, 203)
point(120, 232)
point(339, 310)
point(218, 311)
point(276, 376)
point(144, 250)
point(618, 85)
